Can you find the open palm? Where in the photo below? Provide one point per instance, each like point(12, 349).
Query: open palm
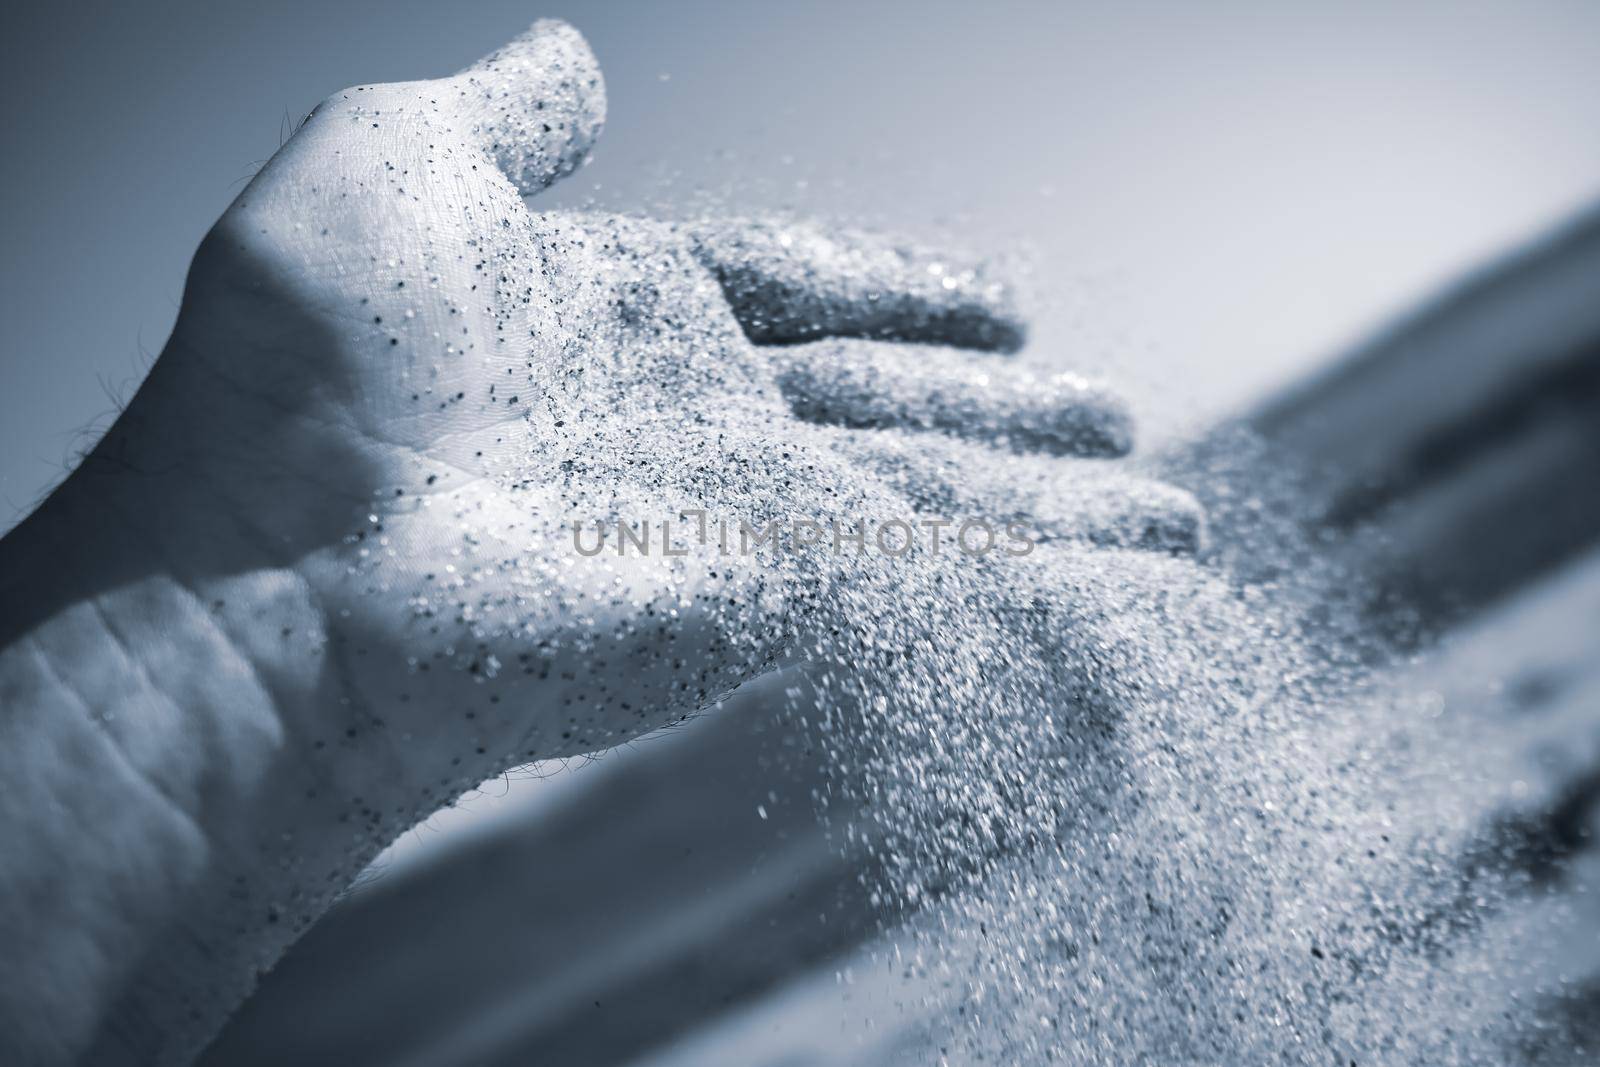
point(413, 387)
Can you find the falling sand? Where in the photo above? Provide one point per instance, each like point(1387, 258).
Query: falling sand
point(1136, 800)
point(1157, 815)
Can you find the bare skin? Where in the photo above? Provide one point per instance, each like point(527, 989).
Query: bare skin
point(310, 586)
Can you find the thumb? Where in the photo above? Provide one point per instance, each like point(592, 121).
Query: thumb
point(537, 104)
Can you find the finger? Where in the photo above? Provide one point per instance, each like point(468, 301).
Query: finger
point(1055, 499)
point(791, 282)
point(1124, 512)
point(866, 384)
point(537, 105)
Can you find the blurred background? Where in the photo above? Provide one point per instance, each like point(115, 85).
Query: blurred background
point(1214, 197)
point(1212, 206)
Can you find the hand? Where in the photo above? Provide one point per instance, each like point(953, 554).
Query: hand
point(407, 387)
point(391, 392)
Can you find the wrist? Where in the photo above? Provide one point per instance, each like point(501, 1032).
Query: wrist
point(170, 826)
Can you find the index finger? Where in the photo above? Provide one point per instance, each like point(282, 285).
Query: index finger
point(791, 281)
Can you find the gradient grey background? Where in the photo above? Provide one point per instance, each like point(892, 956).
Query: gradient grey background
point(1214, 196)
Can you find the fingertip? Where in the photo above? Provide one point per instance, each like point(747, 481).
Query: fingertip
point(538, 104)
point(1124, 512)
point(1174, 522)
point(1070, 415)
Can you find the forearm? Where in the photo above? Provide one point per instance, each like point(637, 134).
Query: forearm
point(160, 817)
